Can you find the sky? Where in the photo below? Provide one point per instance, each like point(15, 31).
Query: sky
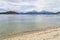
point(29, 5)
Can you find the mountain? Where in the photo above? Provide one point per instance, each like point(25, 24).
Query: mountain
point(42, 12)
point(58, 12)
point(9, 12)
point(46, 12)
point(33, 12)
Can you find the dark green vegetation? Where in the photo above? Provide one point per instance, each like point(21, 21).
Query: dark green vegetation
point(9, 12)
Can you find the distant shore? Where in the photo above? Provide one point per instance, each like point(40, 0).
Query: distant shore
point(32, 12)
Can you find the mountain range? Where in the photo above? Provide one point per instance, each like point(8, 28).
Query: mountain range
point(33, 12)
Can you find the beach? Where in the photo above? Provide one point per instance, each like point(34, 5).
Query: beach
point(49, 34)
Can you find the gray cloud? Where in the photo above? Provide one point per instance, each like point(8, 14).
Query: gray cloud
point(28, 5)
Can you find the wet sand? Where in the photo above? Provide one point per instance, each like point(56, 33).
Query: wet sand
point(47, 34)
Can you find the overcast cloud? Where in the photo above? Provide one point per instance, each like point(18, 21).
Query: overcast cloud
point(29, 5)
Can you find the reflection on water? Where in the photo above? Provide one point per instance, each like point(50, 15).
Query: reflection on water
point(19, 23)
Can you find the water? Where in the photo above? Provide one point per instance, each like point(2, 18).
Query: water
point(21, 23)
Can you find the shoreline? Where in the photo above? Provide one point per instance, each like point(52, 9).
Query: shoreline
point(28, 33)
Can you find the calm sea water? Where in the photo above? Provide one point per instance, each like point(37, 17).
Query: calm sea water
point(20, 23)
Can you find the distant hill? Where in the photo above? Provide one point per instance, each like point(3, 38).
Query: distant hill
point(9, 12)
point(58, 12)
point(33, 12)
point(42, 12)
point(46, 12)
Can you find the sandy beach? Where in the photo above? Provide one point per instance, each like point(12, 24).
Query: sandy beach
point(50, 34)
